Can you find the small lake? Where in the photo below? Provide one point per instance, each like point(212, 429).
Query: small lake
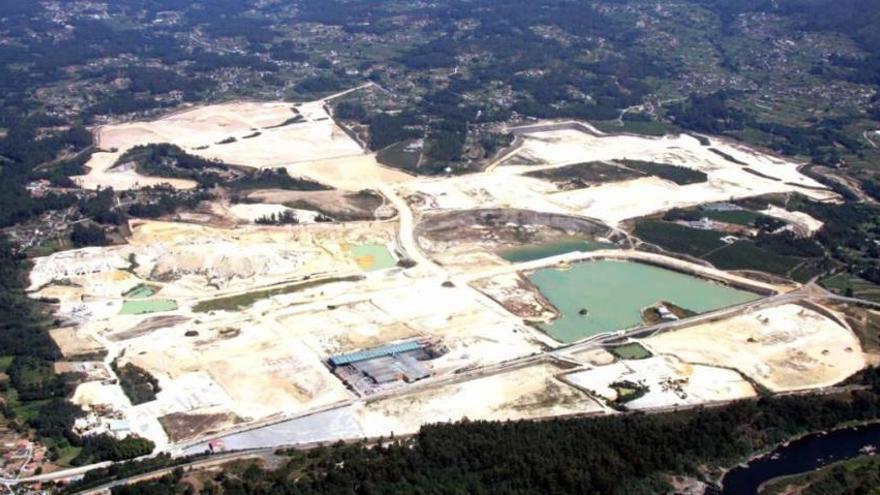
point(615, 292)
point(530, 252)
point(800, 456)
point(371, 257)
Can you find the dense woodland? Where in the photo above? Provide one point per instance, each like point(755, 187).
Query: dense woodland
point(629, 454)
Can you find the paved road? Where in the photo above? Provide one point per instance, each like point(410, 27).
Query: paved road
point(214, 460)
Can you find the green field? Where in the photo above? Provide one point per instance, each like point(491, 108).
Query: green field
point(140, 291)
point(531, 252)
point(746, 255)
point(680, 175)
point(678, 238)
point(630, 351)
point(140, 307)
point(241, 301)
point(844, 283)
point(737, 217)
point(397, 156)
point(707, 244)
point(646, 128)
point(371, 257)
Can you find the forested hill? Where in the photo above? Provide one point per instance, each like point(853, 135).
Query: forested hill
point(633, 454)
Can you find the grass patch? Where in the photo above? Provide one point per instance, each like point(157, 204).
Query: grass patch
point(679, 175)
point(643, 127)
point(581, 175)
point(137, 383)
point(852, 285)
point(293, 120)
point(5, 362)
point(745, 255)
point(726, 156)
point(630, 351)
point(241, 301)
point(141, 307)
point(140, 291)
point(834, 478)
point(67, 454)
point(737, 217)
point(397, 156)
point(678, 238)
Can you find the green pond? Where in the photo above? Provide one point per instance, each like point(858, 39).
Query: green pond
point(614, 293)
point(371, 257)
point(139, 307)
point(532, 252)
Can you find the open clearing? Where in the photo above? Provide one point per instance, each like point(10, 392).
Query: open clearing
point(417, 303)
point(612, 202)
point(302, 138)
point(669, 382)
point(532, 392)
point(783, 348)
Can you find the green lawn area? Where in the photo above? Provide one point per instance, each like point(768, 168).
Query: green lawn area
point(630, 351)
point(241, 301)
point(746, 255)
point(5, 361)
point(24, 410)
point(140, 291)
point(678, 238)
point(860, 287)
point(140, 307)
point(707, 244)
point(397, 156)
point(647, 128)
point(737, 217)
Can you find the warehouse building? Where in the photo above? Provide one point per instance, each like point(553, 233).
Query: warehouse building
point(382, 366)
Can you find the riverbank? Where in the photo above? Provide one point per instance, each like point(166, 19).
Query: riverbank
point(799, 455)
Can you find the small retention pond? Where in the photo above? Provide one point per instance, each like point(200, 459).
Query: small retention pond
point(532, 252)
point(613, 294)
point(371, 257)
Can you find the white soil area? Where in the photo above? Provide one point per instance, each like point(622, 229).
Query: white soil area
point(802, 221)
point(516, 293)
point(670, 382)
point(257, 373)
point(251, 212)
point(95, 394)
point(474, 331)
point(613, 203)
point(783, 348)
point(315, 147)
point(197, 261)
point(351, 173)
point(531, 392)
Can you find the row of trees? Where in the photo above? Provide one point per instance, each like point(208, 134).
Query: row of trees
point(627, 454)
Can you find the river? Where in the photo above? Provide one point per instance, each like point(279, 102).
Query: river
point(800, 456)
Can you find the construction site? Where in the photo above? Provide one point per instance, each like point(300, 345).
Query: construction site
point(496, 295)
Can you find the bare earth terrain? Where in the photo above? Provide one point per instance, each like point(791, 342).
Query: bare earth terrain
point(239, 323)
